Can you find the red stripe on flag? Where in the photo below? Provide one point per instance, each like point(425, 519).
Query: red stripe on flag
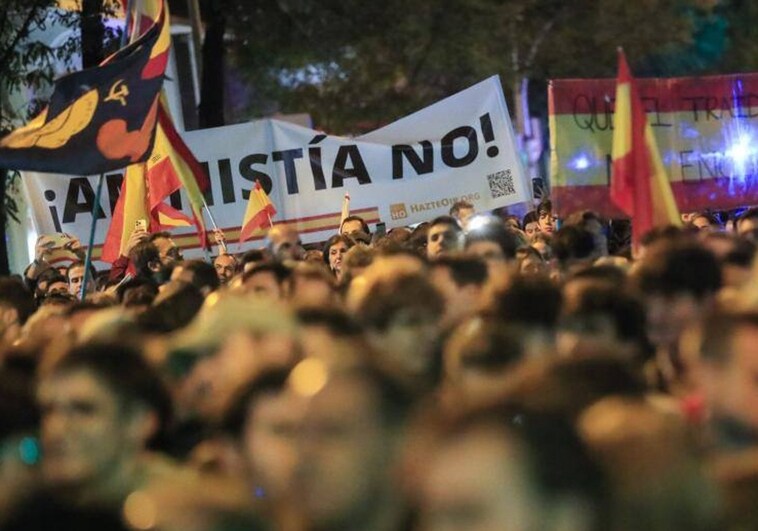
point(201, 177)
point(156, 66)
point(705, 97)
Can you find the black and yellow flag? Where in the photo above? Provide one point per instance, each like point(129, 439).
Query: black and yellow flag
point(100, 119)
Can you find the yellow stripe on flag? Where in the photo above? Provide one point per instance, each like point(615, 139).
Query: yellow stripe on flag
point(665, 210)
point(167, 221)
point(622, 120)
point(135, 204)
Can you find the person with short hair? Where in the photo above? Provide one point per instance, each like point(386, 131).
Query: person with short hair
point(225, 266)
point(50, 281)
point(199, 273)
point(349, 446)
point(478, 356)
point(546, 217)
point(355, 225)
point(461, 281)
point(400, 309)
point(705, 221)
point(284, 243)
point(462, 211)
point(263, 418)
point(102, 406)
point(168, 251)
point(75, 277)
point(574, 248)
point(147, 262)
point(679, 283)
point(492, 242)
point(253, 257)
point(444, 236)
point(268, 279)
point(592, 222)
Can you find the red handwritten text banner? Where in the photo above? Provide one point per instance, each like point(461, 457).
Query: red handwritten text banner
point(706, 129)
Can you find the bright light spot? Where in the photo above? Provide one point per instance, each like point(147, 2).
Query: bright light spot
point(478, 223)
point(741, 150)
point(140, 511)
point(309, 377)
point(580, 162)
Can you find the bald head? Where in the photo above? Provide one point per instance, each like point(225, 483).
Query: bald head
point(284, 242)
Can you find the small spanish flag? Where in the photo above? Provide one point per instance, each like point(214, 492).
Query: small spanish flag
point(259, 212)
point(639, 184)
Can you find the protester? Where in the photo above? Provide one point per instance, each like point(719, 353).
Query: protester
point(284, 243)
point(355, 225)
point(444, 236)
point(434, 378)
point(546, 217)
point(75, 277)
point(225, 266)
point(334, 251)
point(349, 447)
point(101, 408)
point(492, 242)
point(264, 418)
point(461, 282)
point(462, 211)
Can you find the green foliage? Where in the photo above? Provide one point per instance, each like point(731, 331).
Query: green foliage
point(28, 65)
point(355, 65)
point(23, 64)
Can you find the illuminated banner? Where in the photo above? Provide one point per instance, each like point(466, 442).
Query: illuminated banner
point(409, 171)
point(706, 129)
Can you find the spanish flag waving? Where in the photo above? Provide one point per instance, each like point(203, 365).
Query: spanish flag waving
point(100, 119)
point(639, 184)
point(259, 211)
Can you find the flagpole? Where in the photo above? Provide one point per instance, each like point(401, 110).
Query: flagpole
point(125, 38)
point(137, 20)
point(91, 244)
point(127, 23)
point(221, 244)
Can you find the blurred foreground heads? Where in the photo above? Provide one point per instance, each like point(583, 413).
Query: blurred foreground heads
point(101, 407)
point(503, 468)
point(400, 310)
point(348, 448)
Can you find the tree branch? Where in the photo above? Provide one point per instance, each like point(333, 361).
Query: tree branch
point(538, 40)
point(20, 35)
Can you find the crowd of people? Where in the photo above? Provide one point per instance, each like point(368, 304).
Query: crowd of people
point(473, 373)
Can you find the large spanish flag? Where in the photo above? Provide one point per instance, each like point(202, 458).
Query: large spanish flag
point(639, 184)
point(259, 212)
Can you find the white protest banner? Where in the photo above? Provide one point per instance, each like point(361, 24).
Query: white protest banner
point(410, 171)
